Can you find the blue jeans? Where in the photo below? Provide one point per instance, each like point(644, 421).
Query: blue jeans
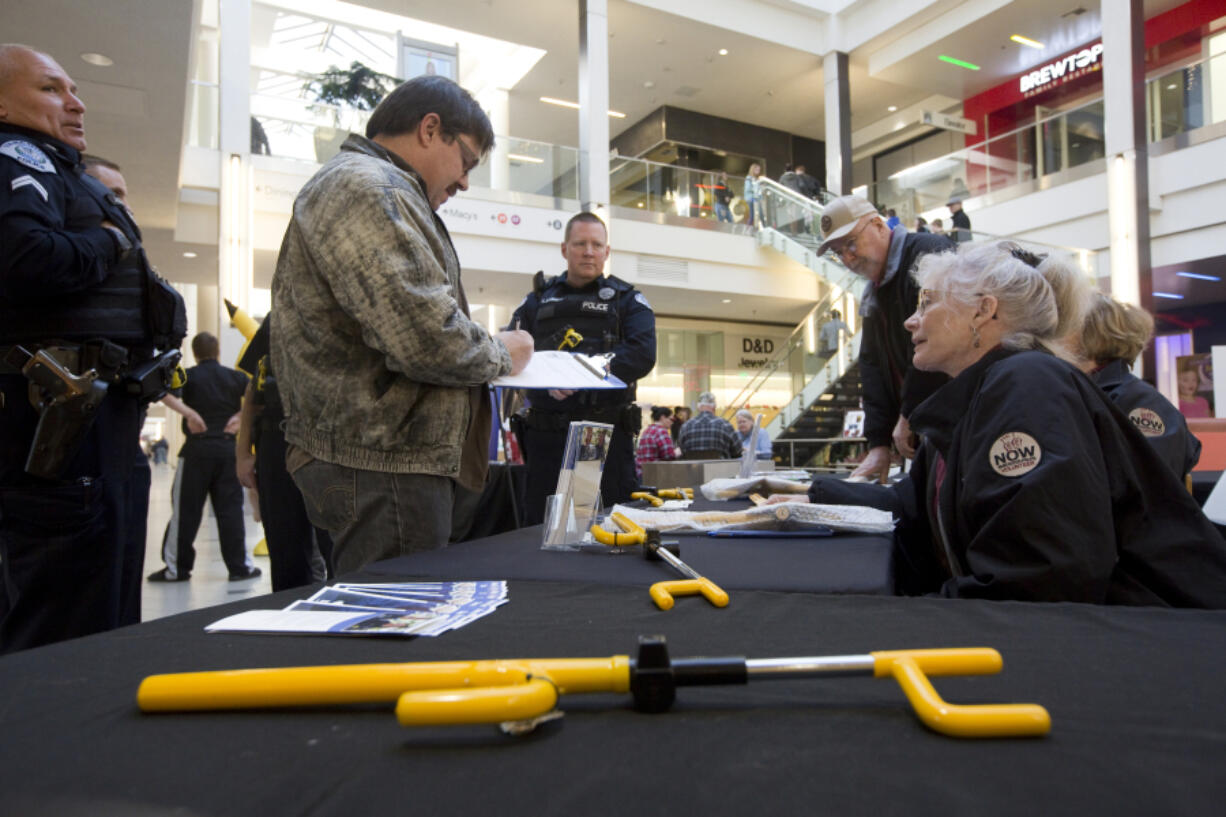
point(723, 212)
point(372, 515)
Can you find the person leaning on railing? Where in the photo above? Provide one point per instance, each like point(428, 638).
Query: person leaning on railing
point(1030, 484)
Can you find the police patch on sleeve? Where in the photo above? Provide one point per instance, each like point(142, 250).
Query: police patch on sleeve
point(1147, 422)
point(1014, 454)
point(27, 154)
point(638, 296)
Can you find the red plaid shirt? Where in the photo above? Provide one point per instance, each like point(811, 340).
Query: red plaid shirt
point(654, 444)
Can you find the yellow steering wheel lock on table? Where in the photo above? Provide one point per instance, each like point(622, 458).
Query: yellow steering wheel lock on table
point(661, 592)
point(522, 693)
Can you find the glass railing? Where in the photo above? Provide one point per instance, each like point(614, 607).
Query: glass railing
point(818, 341)
point(1177, 101)
point(525, 166)
point(797, 217)
point(640, 184)
point(295, 128)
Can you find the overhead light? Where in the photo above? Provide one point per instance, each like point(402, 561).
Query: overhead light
point(1026, 41)
point(189, 255)
point(561, 103)
point(1171, 295)
point(1198, 276)
point(101, 60)
point(1172, 87)
point(723, 52)
point(726, 301)
point(519, 157)
point(565, 103)
point(892, 108)
point(970, 66)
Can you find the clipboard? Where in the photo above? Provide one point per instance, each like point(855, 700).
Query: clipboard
point(563, 370)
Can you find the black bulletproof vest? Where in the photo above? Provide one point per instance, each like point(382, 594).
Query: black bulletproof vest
point(583, 310)
point(132, 306)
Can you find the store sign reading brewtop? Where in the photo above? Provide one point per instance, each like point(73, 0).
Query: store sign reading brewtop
point(1063, 69)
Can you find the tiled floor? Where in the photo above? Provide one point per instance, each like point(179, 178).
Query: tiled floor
point(210, 582)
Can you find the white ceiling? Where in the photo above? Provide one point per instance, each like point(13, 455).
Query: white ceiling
point(137, 108)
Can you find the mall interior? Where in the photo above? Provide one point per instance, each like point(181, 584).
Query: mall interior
point(1092, 129)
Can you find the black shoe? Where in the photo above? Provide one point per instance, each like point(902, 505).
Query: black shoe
point(163, 576)
point(255, 573)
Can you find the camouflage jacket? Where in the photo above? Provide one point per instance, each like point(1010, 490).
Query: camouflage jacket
point(374, 351)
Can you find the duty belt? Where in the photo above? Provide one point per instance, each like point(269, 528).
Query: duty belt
point(109, 359)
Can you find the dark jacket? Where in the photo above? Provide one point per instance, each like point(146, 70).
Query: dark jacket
point(62, 274)
point(891, 386)
point(1052, 499)
point(1154, 416)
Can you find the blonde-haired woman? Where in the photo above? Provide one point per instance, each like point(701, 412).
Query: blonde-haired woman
point(1112, 336)
point(1029, 484)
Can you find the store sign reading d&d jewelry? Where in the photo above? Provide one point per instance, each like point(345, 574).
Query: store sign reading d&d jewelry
point(756, 352)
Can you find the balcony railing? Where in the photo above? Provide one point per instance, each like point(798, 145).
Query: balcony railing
point(1177, 101)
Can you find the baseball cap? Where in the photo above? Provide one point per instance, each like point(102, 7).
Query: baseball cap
point(706, 399)
point(839, 218)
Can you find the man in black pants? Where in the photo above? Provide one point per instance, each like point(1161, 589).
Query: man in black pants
point(298, 552)
point(210, 403)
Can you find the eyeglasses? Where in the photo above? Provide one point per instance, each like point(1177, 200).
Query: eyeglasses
point(927, 298)
point(469, 159)
point(848, 246)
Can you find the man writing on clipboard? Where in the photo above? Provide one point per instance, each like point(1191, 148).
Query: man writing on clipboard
point(610, 316)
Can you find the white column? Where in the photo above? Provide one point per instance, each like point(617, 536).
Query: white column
point(838, 123)
point(234, 221)
point(594, 104)
point(1127, 148)
point(496, 103)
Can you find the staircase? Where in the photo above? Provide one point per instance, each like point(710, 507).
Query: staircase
point(824, 388)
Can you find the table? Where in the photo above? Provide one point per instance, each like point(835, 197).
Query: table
point(1135, 696)
point(847, 563)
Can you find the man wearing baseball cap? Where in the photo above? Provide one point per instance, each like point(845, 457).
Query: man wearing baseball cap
point(855, 233)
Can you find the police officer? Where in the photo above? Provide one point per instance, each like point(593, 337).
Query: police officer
point(611, 316)
point(81, 317)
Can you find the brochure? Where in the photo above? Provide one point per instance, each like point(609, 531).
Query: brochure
point(415, 608)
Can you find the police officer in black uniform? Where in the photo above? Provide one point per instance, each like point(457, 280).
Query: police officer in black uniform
point(611, 316)
point(82, 317)
point(298, 552)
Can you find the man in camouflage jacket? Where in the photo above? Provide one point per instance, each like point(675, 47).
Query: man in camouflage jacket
point(380, 368)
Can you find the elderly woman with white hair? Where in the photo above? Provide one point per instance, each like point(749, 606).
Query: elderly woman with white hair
point(745, 422)
point(1030, 484)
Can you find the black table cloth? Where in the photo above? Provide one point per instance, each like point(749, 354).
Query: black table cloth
point(1135, 697)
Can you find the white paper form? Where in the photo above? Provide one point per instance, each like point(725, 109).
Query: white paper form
point(562, 370)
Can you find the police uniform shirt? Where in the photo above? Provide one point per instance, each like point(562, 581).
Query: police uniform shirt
point(216, 393)
point(53, 241)
point(611, 315)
